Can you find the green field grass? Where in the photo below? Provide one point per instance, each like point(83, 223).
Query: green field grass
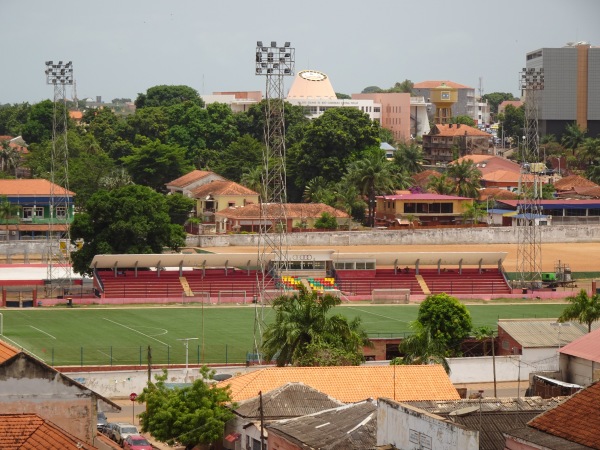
point(121, 336)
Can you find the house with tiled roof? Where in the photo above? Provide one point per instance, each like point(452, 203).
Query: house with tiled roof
point(514, 103)
point(465, 105)
point(348, 427)
point(297, 215)
point(30, 431)
point(188, 182)
point(286, 402)
point(571, 425)
point(422, 179)
point(29, 386)
point(35, 209)
point(351, 383)
point(576, 187)
point(220, 194)
point(580, 359)
point(446, 142)
point(405, 209)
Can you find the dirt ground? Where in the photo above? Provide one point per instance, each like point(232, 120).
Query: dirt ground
point(580, 257)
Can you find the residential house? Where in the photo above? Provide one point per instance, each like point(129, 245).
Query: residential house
point(351, 383)
point(514, 103)
point(576, 187)
point(348, 427)
point(30, 431)
point(571, 425)
point(297, 215)
point(288, 401)
point(221, 194)
point(188, 182)
point(422, 179)
point(580, 359)
point(406, 208)
point(39, 206)
point(401, 426)
point(29, 386)
point(446, 142)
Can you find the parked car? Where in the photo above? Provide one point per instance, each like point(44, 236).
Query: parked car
point(109, 430)
point(102, 421)
point(122, 430)
point(136, 442)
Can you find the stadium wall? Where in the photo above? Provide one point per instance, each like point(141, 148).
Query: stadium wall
point(443, 236)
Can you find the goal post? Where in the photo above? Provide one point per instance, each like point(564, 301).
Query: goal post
point(231, 294)
point(390, 296)
point(197, 297)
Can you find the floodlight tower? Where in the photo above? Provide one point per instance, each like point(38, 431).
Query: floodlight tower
point(58, 240)
point(529, 250)
point(274, 62)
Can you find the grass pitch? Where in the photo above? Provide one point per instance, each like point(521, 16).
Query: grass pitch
point(121, 336)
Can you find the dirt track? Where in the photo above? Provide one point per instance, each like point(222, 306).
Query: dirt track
point(580, 257)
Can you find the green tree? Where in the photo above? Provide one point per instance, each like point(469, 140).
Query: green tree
point(409, 158)
point(326, 222)
point(179, 207)
point(495, 98)
point(511, 123)
point(155, 164)
point(252, 178)
point(583, 308)
point(447, 319)
point(372, 175)
point(464, 120)
point(131, 219)
point(12, 118)
point(466, 178)
point(474, 212)
point(441, 185)
point(483, 334)
point(38, 127)
point(306, 319)
point(189, 415)
point(244, 152)
point(331, 141)
point(319, 190)
point(405, 86)
point(7, 211)
point(422, 348)
point(573, 137)
point(164, 95)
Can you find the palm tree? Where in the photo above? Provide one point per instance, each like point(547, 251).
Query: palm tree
point(474, 212)
point(253, 179)
point(422, 348)
point(573, 137)
point(409, 158)
point(372, 175)
point(7, 210)
point(582, 308)
point(466, 177)
point(441, 185)
point(304, 320)
point(318, 190)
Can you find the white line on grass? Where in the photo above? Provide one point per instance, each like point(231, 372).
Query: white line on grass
point(106, 354)
point(19, 346)
point(132, 329)
point(379, 315)
point(42, 331)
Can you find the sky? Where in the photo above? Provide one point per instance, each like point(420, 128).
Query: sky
point(122, 48)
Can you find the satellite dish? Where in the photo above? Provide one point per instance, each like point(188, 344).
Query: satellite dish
point(464, 411)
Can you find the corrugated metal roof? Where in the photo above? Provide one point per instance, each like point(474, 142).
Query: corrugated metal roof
point(531, 435)
point(490, 404)
point(348, 427)
point(290, 400)
point(542, 332)
point(586, 347)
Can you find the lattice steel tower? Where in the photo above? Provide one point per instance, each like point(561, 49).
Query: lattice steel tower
point(529, 250)
point(60, 75)
point(274, 63)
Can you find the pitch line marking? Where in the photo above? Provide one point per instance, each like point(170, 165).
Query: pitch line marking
point(136, 331)
point(42, 331)
point(380, 315)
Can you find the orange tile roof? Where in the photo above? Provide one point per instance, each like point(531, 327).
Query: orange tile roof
point(31, 432)
point(577, 419)
point(222, 187)
point(292, 211)
point(497, 193)
point(351, 383)
point(7, 351)
point(490, 163)
point(189, 178)
point(76, 115)
point(25, 187)
point(423, 178)
point(433, 84)
point(570, 182)
point(455, 130)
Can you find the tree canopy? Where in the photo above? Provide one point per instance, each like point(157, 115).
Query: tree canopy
point(131, 219)
point(190, 415)
point(582, 308)
point(164, 95)
point(495, 98)
point(305, 332)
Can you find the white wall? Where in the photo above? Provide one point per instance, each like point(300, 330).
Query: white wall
point(481, 370)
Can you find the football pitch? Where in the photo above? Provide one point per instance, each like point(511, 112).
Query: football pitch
point(126, 336)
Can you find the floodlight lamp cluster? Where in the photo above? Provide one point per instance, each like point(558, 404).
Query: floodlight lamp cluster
point(273, 59)
point(532, 78)
point(59, 73)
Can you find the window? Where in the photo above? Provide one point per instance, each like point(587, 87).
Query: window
point(505, 345)
point(39, 212)
point(230, 204)
point(377, 109)
point(61, 211)
point(27, 213)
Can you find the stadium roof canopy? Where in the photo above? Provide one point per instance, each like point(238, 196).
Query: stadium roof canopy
point(199, 260)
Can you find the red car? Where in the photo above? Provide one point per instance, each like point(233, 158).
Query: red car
point(136, 442)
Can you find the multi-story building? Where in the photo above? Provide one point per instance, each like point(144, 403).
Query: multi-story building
point(466, 104)
point(447, 142)
point(571, 91)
